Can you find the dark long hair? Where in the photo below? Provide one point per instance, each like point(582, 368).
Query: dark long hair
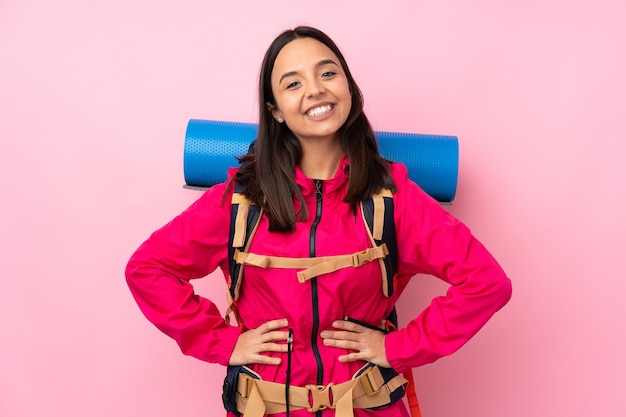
point(267, 169)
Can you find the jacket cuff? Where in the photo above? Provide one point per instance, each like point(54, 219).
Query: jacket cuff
point(393, 348)
point(222, 344)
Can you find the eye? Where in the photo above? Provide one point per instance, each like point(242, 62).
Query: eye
point(292, 84)
point(328, 74)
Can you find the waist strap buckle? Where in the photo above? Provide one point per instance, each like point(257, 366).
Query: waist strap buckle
point(371, 380)
point(320, 397)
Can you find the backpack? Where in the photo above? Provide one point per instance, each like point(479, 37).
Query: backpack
point(378, 216)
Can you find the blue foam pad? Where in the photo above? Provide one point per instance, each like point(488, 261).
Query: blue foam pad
point(211, 148)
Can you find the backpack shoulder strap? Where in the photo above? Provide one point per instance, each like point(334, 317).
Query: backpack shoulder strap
point(378, 216)
point(244, 220)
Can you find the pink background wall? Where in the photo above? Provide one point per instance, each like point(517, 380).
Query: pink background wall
point(94, 101)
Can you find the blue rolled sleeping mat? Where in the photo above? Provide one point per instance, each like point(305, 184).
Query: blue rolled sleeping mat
point(211, 147)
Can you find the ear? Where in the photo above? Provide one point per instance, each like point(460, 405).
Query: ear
point(276, 114)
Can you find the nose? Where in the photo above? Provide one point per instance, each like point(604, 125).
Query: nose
point(315, 87)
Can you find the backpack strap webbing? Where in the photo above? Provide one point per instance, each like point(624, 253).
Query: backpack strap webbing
point(244, 220)
point(314, 267)
point(378, 215)
point(371, 387)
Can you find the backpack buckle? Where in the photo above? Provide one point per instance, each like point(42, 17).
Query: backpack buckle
point(371, 380)
point(320, 397)
point(360, 258)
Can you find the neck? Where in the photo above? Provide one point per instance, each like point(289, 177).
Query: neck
point(320, 160)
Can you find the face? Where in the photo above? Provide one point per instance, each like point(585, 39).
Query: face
point(311, 90)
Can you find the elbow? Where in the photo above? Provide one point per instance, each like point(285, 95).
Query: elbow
point(501, 290)
point(131, 274)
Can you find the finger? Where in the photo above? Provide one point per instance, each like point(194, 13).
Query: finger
point(351, 326)
point(328, 334)
point(360, 356)
point(271, 325)
point(344, 344)
point(274, 336)
point(347, 325)
point(268, 360)
point(273, 347)
point(352, 357)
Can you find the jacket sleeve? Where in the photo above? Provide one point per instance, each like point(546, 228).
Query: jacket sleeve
point(191, 246)
point(431, 241)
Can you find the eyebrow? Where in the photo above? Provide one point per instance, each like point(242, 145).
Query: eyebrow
point(319, 64)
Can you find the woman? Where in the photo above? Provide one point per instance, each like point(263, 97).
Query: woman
point(314, 160)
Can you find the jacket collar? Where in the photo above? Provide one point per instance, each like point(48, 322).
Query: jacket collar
point(339, 180)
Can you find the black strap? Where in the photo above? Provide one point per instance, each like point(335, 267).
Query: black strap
point(389, 236)
point(251, 222)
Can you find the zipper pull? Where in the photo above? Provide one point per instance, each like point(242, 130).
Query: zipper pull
point(318, 189)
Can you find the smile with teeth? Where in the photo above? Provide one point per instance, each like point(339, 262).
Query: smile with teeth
point(318, 111)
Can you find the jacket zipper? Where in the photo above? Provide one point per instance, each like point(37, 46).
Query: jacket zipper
point(314, 294)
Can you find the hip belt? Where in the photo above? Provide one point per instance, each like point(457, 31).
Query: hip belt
point(372, 387)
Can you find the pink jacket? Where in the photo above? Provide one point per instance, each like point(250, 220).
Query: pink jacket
point(430, 241)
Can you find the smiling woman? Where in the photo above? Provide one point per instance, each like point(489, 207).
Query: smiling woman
point(278, 148)
point(338, 232)
point(312, 97)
